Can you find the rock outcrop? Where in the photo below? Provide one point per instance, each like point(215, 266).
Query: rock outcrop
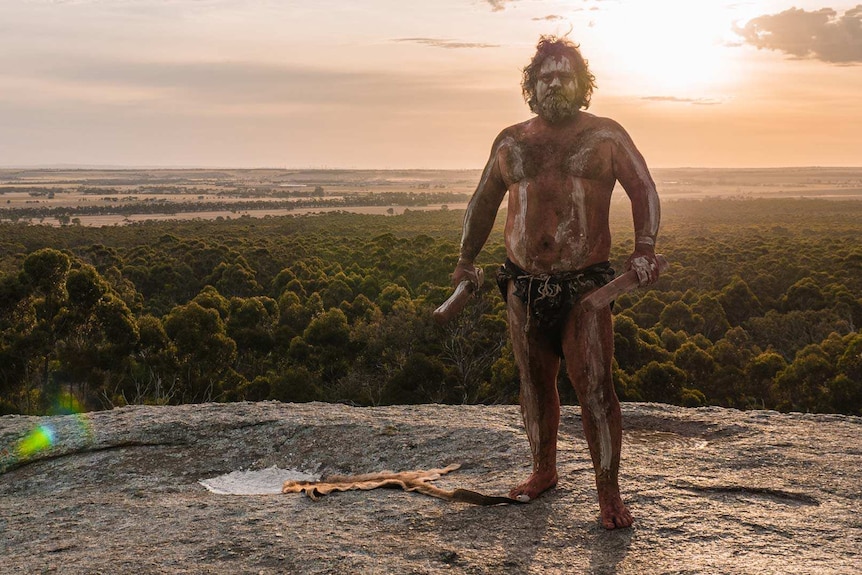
point(712, 490)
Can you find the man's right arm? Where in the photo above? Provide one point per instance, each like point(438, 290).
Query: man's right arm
point(631, 171)
point(480, 215)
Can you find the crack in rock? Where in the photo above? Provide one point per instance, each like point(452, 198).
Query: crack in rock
point(757, 491)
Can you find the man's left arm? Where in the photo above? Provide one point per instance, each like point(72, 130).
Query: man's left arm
point(631, 171)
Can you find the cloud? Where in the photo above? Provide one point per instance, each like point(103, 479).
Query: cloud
point(444, 43)
point(553, 17)
point(497, 5)
point(820, 34)
point(225, 84)
point(675, 99)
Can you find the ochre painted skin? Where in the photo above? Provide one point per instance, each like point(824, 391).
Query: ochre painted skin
point(559, 177)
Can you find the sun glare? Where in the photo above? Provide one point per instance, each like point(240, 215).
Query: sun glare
point(667, 48)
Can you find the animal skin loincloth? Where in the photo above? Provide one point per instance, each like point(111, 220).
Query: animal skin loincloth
point(418, 481)
point(550, 297)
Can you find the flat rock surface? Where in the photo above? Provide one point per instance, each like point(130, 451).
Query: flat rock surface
point(712, 490)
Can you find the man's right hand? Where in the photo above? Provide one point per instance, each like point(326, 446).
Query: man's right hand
point(465, 271)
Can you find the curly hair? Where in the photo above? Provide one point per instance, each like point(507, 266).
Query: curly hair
point(556, 46)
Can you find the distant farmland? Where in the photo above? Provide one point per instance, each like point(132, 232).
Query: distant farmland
point(116, 197)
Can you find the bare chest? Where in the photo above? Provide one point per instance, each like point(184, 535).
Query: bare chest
point(553, 161)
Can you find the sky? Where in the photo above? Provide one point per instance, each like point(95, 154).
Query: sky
point(397, 84)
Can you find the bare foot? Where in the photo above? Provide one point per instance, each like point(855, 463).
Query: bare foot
point(534, 486)
point(614, 512)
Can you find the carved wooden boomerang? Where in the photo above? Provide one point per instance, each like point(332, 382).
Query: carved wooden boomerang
point(458, 300)
point(604, 295)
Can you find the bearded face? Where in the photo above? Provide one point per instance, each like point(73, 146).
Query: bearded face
point(557, 90)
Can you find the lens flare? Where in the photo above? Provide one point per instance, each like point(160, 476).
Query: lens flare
point(37, 440)
point(68, 430)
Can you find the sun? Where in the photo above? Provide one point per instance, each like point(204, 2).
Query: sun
point(669, 48)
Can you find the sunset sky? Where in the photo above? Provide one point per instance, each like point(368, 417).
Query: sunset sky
point(410, 84)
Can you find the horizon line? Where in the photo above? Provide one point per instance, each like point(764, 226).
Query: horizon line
point(366, 169)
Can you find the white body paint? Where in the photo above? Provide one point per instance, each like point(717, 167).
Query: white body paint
point(519, 227)
point(573, 230)
point(468, 215)
point(643, 267)
point(516, 160)
point(645, 240)
point(596, 375)
point(529, 402)
point(618, 138)
point(516, 166)
point(647, 235)
point(577, 163)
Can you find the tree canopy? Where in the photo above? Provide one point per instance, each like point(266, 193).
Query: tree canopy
point(761, 308)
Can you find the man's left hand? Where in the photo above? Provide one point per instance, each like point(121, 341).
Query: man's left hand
point(644, 263)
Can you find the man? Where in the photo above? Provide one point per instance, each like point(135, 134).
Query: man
point(559, 170)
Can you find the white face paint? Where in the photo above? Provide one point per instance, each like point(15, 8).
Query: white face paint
point(556, 74)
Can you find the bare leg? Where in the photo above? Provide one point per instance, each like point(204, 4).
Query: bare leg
point(588, 345)
point(540, 402)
